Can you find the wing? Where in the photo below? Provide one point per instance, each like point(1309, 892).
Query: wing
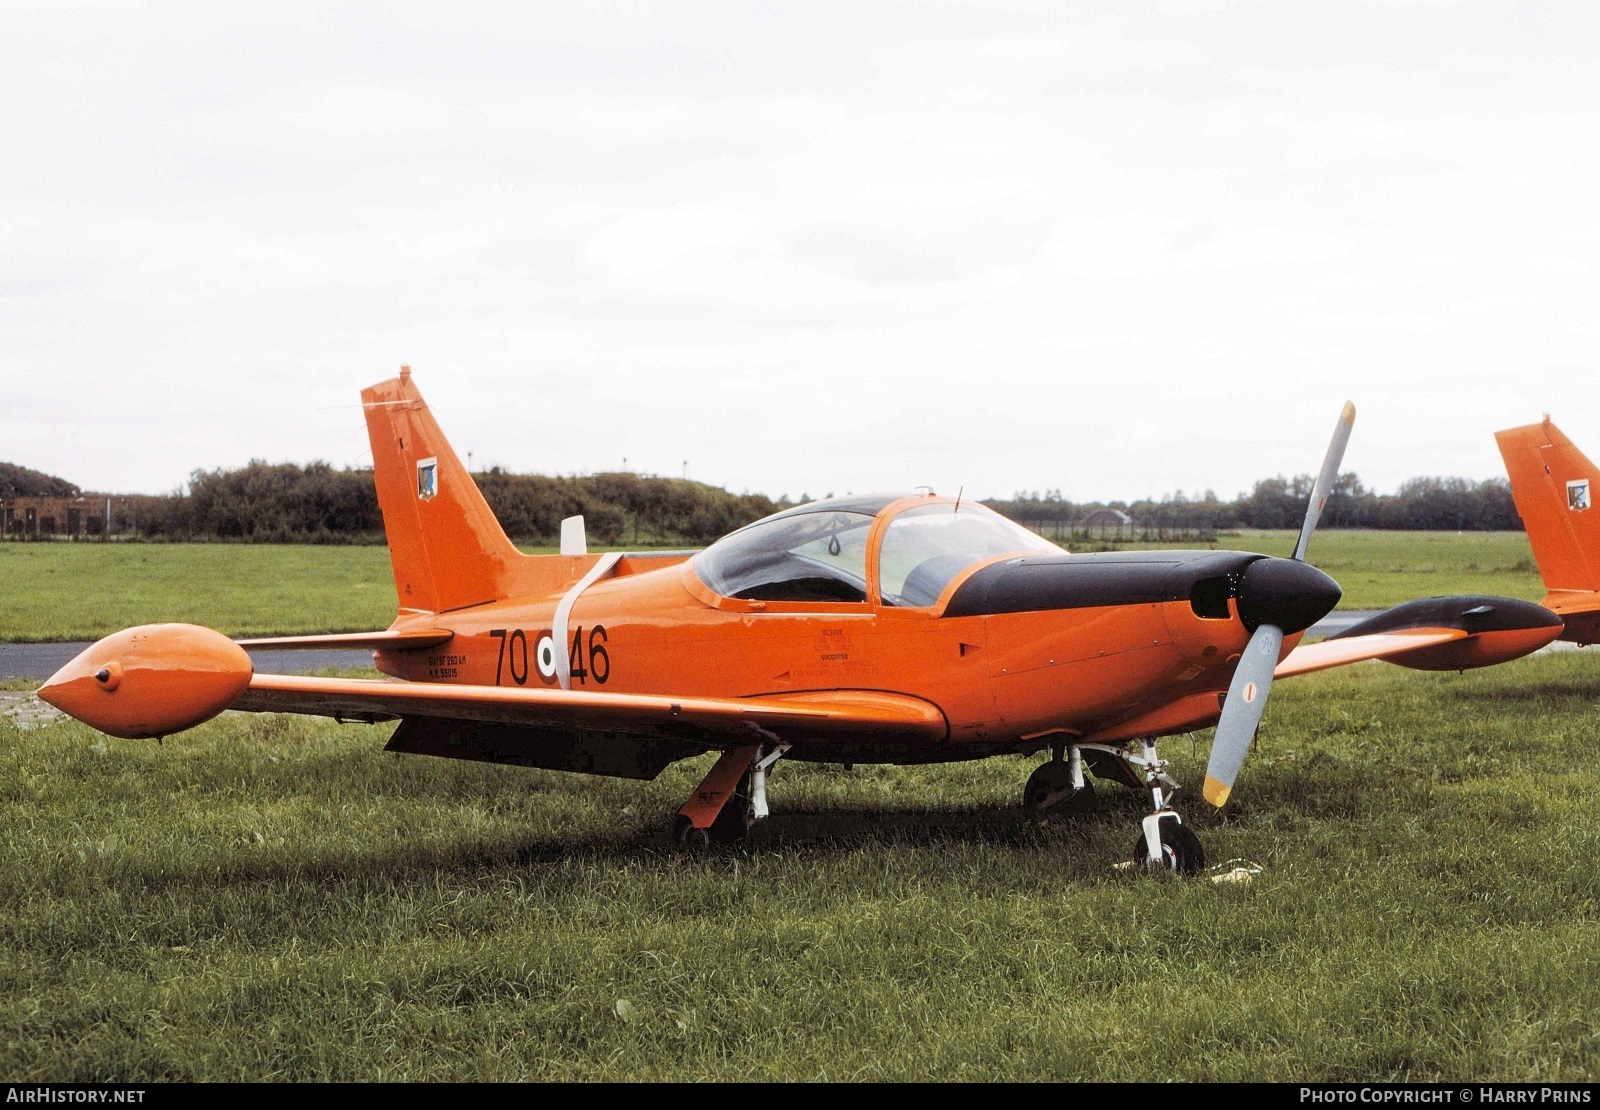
point(623, 735)
point(159, 679)
point(1572, 602)
point(1453, 633)
point(715, 721)
point(1319, 656)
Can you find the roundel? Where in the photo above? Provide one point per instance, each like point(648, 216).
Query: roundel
point(545, 656)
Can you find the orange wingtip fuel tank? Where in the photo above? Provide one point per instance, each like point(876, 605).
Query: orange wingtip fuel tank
point(151, 680)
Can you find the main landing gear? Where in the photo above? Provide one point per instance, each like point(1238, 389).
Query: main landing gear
point(1060, 786)
point(729, 801)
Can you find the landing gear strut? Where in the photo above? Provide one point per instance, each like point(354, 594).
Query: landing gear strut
point(1165, 841)
point(729, 801)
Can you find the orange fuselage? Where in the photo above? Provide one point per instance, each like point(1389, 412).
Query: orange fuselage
point(1016, 643)
point(1003, 681)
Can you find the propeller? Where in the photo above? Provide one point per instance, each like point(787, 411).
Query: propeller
point(1325, 478)
point(1284, 591)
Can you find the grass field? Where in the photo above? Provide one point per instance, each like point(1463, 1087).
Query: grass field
point(270, 898)
point(1380, 569)
point(82, 591)
point(60, 591)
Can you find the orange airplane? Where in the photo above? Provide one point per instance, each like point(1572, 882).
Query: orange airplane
point(885, 628)
point(1550, 483)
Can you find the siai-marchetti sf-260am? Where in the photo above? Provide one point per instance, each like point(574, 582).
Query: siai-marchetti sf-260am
point(888, 628)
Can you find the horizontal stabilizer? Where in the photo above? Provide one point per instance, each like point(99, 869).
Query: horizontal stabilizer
point(392, 641)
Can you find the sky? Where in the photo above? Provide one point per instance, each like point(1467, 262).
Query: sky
point(1110, 249)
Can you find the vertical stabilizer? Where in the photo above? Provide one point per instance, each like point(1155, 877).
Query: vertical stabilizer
point(1551, 483)
point(447, 548)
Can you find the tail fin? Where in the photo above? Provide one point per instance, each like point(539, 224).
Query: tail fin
point(447, 548)
point(1550, 482)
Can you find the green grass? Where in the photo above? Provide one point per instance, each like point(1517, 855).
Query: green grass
point(61, 591)
point(1380, 569)
point(271, 898)
point(82, 591)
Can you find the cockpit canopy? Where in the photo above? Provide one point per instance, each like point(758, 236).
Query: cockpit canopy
point(819, 551)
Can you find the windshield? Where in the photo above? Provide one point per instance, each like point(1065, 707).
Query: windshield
point(926, 546)
point(820, 556)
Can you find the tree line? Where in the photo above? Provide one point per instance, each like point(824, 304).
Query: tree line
point(286, 503)
point(1422, 504)
point(317, 503)
point(20, 481)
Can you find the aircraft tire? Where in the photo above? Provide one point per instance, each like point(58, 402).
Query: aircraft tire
point(1079, 801)
point(735, 821)
point(682, 833)
point(1049, 778)
point(1179, 847)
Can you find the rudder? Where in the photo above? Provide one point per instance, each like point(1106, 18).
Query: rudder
point(1550, 483)
point(447, 548)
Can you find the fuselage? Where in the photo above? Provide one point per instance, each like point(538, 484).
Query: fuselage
point(1016, 647)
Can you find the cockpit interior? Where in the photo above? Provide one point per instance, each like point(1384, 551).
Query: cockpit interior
point(838, 550)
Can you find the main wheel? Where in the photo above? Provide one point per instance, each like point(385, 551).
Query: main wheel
point(1180, 849)
point(1053, 778)
point(684, 835)
point(734, 822)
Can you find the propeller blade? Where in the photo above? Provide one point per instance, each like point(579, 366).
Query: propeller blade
point(1241, 712)
point(1325, 479)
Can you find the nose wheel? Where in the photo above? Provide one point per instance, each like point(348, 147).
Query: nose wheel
point(1180, 848)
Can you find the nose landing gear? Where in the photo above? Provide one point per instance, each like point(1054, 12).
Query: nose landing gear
point(1060, 786)
point(1179, 851)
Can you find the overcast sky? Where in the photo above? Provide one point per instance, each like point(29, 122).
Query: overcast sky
point(1116, 249)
